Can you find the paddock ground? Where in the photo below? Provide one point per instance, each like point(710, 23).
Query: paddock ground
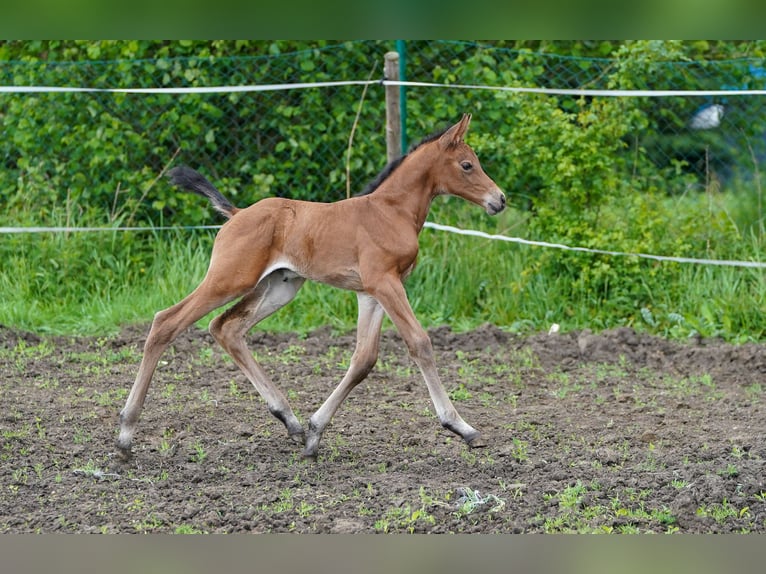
point(612, 432)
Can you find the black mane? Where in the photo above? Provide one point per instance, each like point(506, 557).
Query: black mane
point(389, 169)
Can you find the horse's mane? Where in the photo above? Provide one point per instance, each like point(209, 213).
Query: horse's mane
point(391, 167)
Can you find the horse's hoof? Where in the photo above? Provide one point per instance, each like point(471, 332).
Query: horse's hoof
point(298, 437)
point(124, 454)
point(477, 442)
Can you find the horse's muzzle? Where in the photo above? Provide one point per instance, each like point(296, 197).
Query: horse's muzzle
point(496, 203)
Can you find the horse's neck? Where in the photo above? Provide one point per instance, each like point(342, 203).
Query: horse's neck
point(408, 193)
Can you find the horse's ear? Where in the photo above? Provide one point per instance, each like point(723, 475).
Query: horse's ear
point(454, 135)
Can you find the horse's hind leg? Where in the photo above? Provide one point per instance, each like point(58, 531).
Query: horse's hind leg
point(364, 358)
point(167, 325)
point(271, 294)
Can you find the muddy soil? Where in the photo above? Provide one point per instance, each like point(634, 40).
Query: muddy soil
point(610, 432)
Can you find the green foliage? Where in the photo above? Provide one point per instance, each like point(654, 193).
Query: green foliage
point(607, 173)
point(98, 148)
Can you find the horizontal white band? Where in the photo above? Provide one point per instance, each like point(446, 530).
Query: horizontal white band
point(428, 224)
point(307, 85)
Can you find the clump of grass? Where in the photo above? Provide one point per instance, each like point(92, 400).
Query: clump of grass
point(92, 283)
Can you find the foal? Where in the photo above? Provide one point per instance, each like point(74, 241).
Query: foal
point(367, 244)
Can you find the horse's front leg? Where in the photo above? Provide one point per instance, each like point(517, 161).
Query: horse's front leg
point(392, 296)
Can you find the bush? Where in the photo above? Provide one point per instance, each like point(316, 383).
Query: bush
point(577, 171)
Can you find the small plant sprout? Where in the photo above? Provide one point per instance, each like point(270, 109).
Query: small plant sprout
point(199, 454)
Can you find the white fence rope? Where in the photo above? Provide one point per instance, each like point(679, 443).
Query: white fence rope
point(436, 226)
point(429, 225)
point(187, 90)
point(471, 232)
point(309, 85)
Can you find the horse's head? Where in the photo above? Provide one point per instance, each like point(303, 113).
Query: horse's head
point(461, 174)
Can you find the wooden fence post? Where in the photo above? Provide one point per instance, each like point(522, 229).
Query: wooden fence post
point(393, 118)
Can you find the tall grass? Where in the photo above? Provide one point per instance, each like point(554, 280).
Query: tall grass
point(93, 283)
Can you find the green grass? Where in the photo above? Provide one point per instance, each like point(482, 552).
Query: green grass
point(92, 283)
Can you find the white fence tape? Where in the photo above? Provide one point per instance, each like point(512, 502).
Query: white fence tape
point(436, 226)
point(308, 85)
point(471, 232)
point(429, 225)
point(583, 91)
point(187, 90)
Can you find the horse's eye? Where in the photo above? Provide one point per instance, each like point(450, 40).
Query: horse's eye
point(466, 165)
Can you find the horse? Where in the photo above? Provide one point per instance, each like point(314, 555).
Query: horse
point(367, 244)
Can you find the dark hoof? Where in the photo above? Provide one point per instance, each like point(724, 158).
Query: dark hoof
point(298, 437)
point(312, 456)
point(476, 442)
point(124, 454)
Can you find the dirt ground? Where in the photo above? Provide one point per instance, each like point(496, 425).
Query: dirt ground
point(610, 432)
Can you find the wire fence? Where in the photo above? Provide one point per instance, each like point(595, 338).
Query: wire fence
point(98, 148)
point(707, 136)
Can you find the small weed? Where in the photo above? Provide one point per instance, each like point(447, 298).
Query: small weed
point(519, 450)
point(693, 385)
point(730, 471)
point(565, 384)
point(571, 497)
point(292, 354)
point(460, 393)
point(304, 509)
point(511, 399)
point(234, 389)
point(166, 447)
point(285, 501)
point(205, 356)
point(187, 529)
point(404, 519)
point(469, 456)
point(754, 391)
point(199, 454)
point(722, 512)
point(737, 452)
point(20, 476)
point(15, 434)
point(81, 436)
point(150, 524)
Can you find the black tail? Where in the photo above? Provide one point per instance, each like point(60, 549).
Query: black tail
point(191, 180)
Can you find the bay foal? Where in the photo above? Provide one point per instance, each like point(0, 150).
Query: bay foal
point(367, 244)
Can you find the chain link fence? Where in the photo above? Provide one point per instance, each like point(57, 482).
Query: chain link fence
point(103, 151)
point(716, 137)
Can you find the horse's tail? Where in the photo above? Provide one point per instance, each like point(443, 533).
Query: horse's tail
point(193, 181)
